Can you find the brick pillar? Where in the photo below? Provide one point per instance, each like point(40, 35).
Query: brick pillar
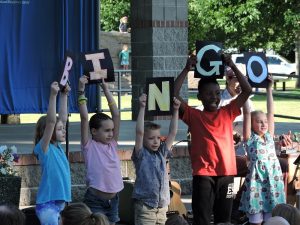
point(158, 42)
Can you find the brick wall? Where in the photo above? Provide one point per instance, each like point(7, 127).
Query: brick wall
point(29, 169)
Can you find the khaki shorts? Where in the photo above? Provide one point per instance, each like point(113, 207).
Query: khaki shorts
point(146, 215)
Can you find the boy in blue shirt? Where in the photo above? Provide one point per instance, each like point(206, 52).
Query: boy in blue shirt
point(151, 189)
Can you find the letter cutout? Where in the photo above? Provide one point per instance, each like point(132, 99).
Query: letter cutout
point(209, 61)
point(98, 72)
point(161, 97)
point(215, 64)
point(256, 68)
point(65, 76)
point(257, 78)
point(97, 65)
point(160, 92)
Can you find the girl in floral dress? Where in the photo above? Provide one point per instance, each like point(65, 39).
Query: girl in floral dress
point(264, 186)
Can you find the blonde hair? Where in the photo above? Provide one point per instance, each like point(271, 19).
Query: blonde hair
point(80, 214)
point(288, 212)
point(124, 19)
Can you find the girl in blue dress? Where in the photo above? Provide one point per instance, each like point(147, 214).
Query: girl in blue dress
point(264, 186)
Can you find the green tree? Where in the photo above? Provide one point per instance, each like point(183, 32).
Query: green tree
point(246, 24)
point(110, 13)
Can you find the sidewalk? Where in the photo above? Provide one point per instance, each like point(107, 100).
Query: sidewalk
point(22, 135)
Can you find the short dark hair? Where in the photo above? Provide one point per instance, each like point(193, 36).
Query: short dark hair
point(11, 215)
point(151, 126)
point(204, 81)
point(96, 120)
point(80, 214)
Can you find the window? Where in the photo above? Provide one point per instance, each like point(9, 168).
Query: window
point(240, 60)
point(273, 60)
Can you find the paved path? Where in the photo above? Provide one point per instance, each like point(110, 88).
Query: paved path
point(22, 135)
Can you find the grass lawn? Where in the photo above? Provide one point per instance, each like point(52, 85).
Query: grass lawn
point(283, 106)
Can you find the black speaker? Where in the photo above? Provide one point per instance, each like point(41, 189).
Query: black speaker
point(126, 208)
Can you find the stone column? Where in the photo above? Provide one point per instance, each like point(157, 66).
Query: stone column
point(158, 41)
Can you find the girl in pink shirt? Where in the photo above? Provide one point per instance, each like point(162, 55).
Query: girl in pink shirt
point(103, 172)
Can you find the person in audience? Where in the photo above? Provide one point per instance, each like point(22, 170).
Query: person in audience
point(276, 220)
point(103, 170)
point(288, 212)
point(264, 186)
point(55, 185)
point(151, 191)
point(212, 150)
point(80, 214)
point(11, 215)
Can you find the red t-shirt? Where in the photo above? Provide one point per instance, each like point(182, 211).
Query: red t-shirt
point(212, 152)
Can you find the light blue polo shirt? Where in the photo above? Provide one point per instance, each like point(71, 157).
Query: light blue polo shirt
point(55, 183)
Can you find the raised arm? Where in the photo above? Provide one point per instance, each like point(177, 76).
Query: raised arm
point(173, 124)
point(84, 116)
point(139, 133)
point(115, 114)
point(63, 105)
point(191, 62)
point(51, 117)
point(246, 121)
point(270, 107)
point(245, 86)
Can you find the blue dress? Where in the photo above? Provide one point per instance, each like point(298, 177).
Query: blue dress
point(264, 186)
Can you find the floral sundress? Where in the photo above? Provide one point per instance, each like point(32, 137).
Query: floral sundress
point(264, 186)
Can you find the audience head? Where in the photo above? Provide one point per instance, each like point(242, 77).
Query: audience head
point(288, 212)
point(11, 215)
point(80, 214)
point(276, 220)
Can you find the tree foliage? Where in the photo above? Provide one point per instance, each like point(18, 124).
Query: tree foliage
point(246, 24)
point(242, 24)
point(110, 13)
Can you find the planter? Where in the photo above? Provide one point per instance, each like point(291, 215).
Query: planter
point(10, 188)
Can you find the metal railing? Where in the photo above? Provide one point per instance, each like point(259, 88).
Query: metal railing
point(121, 86)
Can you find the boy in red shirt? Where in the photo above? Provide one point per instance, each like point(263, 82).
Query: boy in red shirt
point(212, 152)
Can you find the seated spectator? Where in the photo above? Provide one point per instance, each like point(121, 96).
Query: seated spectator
point(11, 215)
point(80, 214)
point(288, 212)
